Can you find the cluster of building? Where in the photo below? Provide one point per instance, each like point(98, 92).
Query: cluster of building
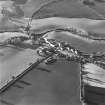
point(66, 51)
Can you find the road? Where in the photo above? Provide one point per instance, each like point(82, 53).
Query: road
point(14, 61)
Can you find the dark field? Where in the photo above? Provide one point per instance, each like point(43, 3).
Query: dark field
point(60, 86)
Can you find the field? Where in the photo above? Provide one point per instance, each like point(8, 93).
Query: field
point(60, 84)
